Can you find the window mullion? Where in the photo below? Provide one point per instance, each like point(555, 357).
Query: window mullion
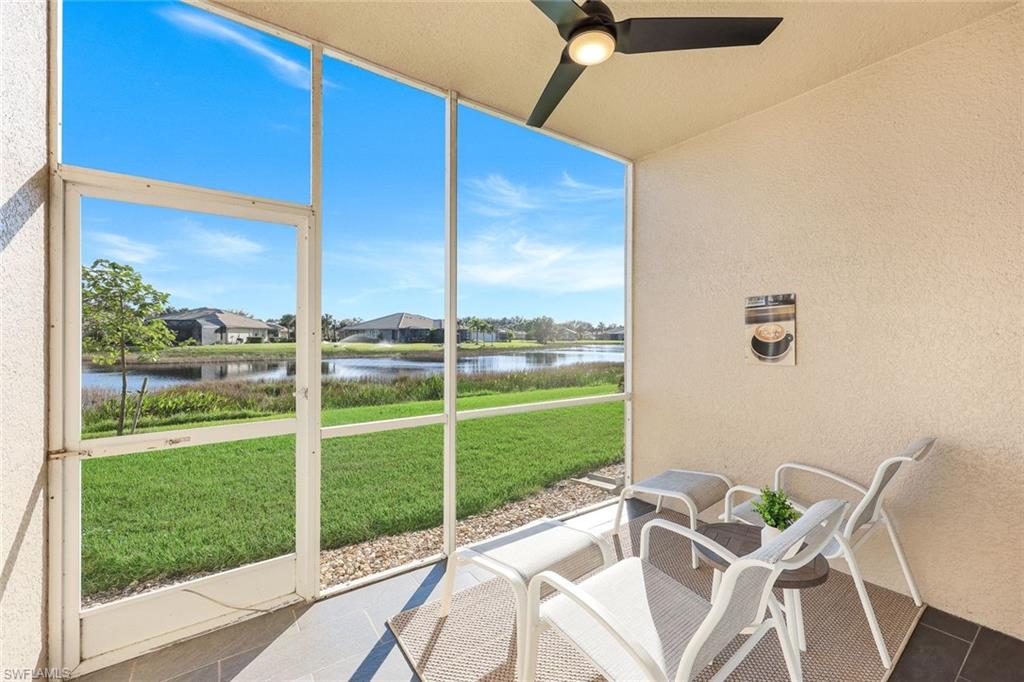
point(451, 323)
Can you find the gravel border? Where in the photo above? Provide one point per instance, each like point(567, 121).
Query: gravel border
point(345, 564)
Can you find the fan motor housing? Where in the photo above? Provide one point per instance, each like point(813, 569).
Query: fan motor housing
point(599, 15)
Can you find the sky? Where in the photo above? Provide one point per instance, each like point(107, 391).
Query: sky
point(167, 91)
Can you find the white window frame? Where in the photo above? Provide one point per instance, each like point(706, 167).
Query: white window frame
point(100, 635)
point(71, 645)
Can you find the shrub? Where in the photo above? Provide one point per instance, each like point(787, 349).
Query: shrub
point(215, 400)
point(776, 509)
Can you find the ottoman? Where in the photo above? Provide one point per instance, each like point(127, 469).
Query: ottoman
point(698, 490)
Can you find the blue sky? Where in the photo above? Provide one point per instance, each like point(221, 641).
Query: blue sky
point(167, 91)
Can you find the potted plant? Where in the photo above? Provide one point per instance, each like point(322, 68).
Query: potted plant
point(778, 514)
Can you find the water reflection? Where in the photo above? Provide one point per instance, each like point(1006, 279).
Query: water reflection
point(381, 368)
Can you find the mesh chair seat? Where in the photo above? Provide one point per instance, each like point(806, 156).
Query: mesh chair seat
point(548, 545)
point(704, 490)
point(656, 610)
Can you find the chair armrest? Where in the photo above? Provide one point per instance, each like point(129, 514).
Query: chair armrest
point(818, 471)
point(727, 516)
point(690, 534)
point(598, 612)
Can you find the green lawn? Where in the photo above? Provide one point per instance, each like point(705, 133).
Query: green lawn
point(207, 508)
point(354, 415)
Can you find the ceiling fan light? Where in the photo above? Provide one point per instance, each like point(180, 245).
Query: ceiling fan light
point(591, 47)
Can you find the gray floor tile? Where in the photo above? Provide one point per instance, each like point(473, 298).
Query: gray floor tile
point(995, 657)
point(209, 673)
point(412, 590)
point(325, 613)
point(116, 673)
point(950, 624)
point(384, 663)
point(232, 666)
point(209, 648)
point(301, 652)
point(930, 656)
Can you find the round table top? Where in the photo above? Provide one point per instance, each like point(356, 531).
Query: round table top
point(742, 539)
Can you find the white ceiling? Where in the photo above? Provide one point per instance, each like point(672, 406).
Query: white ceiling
point(502, 53)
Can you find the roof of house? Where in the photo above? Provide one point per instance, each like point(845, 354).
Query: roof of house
point(397, 321)
point(613, 330)
point(216, 316)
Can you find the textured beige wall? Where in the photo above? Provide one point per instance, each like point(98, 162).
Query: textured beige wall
point(23, 190)
point(890, 201)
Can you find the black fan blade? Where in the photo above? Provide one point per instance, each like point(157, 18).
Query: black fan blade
point(633, 36)
point(565, 14)
point(561, 80)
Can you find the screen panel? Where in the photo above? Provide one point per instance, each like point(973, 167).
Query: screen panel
point(541, 274)
point(381, 501)
point(516, 468)
point(153, 519)
point(168, 91)
point(383, 247)
point(188, 319)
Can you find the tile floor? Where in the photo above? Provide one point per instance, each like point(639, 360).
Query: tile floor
point(345, 638)
point(947, 648)
point(341, 638)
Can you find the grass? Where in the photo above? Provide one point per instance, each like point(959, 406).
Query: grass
point(206, 508)
point(212, 402)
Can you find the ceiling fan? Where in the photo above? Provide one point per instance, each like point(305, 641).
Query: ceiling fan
point(592, 35)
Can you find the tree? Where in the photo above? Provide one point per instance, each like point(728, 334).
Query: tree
point(288, 322)
point(328, 327)
point(119, 312)
point(542, 329)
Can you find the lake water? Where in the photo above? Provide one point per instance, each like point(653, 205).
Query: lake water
point(382, 368)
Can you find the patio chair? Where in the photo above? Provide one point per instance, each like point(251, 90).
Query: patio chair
point(635, 622)
point(868, 515)
point(517, 556)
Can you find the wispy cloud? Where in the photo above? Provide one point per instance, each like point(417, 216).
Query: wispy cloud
point(582, 191)
point(495, 196)
point(386, 267)
point(513, 260)
point(219, 244)
point(200, 23)
point(120, 248)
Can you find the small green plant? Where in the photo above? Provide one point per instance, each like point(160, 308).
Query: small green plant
point(776, 509)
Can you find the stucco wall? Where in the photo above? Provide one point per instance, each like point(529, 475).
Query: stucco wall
point(23, 190)
point(890, 201)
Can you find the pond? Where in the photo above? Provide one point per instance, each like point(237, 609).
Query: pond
point(380, 368)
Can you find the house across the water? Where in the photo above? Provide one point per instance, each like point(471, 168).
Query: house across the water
point(209, 326)
point(412, 328)
point(613, 334)
point(396, 328)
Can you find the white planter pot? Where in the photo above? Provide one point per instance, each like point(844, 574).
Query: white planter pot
point(769, 533)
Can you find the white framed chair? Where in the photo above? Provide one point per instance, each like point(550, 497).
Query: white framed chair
point(868, 515)
point(635, 622)
point(517, 556)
